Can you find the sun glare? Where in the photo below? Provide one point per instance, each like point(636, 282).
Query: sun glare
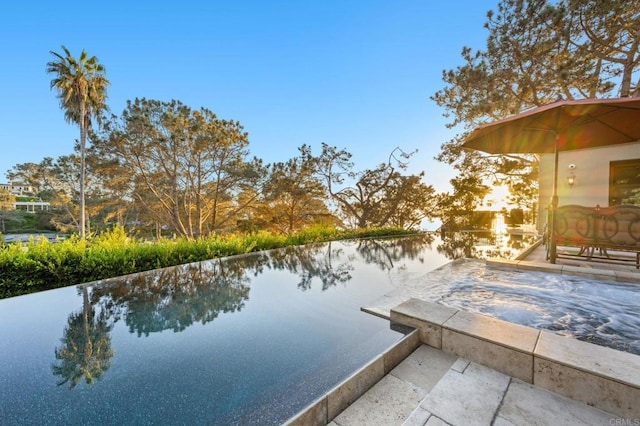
point(497, 199)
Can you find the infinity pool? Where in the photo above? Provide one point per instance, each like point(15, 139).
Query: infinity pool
point(255, 338)
point(249, 339)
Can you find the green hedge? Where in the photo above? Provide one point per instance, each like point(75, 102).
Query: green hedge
point(41, 265)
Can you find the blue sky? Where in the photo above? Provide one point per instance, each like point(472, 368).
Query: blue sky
point(356, 74)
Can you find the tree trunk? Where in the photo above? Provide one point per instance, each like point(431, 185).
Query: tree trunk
point(625, 85)
point(83, 142)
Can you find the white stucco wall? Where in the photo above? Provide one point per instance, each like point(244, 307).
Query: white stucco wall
point(592, 176)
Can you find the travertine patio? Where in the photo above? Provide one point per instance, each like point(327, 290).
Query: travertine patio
point(459, 368)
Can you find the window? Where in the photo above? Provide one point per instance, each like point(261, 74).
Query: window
point(624, 183)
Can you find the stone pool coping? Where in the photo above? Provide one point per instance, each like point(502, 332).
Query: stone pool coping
point(601, 272)
point(593, 273)
point(597, 376)
point(601, 377)
point(327, 407)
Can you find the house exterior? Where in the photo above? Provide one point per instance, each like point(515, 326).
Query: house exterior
point(17, 189)
point(31, 206)
point(24, 190)
point(601, 176)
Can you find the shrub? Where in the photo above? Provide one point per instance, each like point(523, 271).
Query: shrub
point(40, 264)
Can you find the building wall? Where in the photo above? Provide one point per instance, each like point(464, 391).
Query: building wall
point(31, 206)
point(17, 188)
point(592, 176)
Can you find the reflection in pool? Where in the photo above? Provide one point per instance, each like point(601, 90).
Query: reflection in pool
point(245, 339)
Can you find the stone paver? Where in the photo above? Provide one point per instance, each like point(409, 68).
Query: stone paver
point(394, 398)
point(419, 417)
point(434, 421)
point(459, 392)
point(424, 367)
point(389, 402)
point(433, 388)
point(469, 398)
point(527, 404)
point(460, 365)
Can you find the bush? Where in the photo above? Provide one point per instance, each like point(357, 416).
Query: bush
point(40, 264)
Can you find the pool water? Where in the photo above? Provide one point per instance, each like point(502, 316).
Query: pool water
point(253, 339)
point(248, 339)
point(596, 311)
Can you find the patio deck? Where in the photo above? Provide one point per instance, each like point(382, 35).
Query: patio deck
point(538, 255)
point(464, 369)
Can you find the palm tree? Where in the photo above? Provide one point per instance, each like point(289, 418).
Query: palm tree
point(86, 350)
point(81, 86)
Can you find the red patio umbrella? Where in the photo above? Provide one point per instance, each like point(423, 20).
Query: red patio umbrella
point(561, 126)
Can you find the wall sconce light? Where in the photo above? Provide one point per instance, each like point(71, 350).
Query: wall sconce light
point(571, 178)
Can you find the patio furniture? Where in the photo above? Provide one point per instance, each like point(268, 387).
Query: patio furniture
point(602, 234)
point(564, 125)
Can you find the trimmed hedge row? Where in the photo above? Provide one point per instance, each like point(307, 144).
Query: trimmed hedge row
point(41, 265)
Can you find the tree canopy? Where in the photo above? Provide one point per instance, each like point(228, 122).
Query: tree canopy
point(293, 197)
point(375, 197)
point(184, 166)
point(536, 52)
